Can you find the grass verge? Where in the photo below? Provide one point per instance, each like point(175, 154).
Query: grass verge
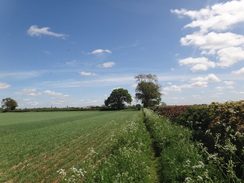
point(179, 159)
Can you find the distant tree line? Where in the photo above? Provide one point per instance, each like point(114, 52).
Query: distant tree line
point(147, 92)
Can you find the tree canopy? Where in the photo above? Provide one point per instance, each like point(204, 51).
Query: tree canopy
point(147, 90)
point(118, 98)
point(9, 104)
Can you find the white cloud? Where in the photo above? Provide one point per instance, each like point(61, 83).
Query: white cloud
point(213, 41)
point(100, 51)
point(208, 78)
point(87, 74)
point(71, 63)
point(21, 75)
point(55, 94)
point(238, 92)
point(107, 64)
point(222, 45)
point(35, 93)
point(229, 83)
point(226, 47)
point(198, 64)
point(25, 91)
point(4, 86)
point(218, 17)
point(28, 92)
point(173, 88)
point(198, 82)
point(35, 31)
point(134, 86)
point(240, 71)
point(229, 56)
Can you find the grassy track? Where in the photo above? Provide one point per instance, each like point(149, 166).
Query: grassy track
point(33, 146)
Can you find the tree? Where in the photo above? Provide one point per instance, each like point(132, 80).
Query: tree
point(117, 99)
point(9, 104)
point(147, 90)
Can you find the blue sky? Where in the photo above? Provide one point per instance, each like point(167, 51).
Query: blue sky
point(74, 53)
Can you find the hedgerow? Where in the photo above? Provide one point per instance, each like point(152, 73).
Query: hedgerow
point(219, 127)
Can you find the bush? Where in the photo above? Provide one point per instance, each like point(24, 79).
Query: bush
point(195, 118)
point(172, 112)
point(220, 128)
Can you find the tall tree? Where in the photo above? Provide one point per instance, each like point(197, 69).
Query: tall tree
point(118, 98)
point(148, 90)
point(9, 104)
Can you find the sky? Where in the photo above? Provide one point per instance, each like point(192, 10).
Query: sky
point(63, 53)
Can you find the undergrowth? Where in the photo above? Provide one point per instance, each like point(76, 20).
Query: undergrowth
point(179, 157)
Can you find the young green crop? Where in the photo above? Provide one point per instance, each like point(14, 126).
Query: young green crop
point(129, 159)
point(33, 146)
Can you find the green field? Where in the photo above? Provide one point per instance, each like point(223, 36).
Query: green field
point(33, 146)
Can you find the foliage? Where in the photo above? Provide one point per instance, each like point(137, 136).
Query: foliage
point(178, 156)
point(220, 128)
point(170, 111)
point(56, 109)
point(195, 117)
point(9, 104)
point(227, 114)
point(118, 98)
point(130, 157)
point(138, 106)
point(227, 131)
point(148, 91)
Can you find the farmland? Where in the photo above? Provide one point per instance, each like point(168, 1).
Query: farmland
point(189, 144)
point(33, 146)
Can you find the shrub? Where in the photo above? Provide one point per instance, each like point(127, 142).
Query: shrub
point(220, 128)
point(196, 118)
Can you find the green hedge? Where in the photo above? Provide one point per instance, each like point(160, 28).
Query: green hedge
point(220, 127)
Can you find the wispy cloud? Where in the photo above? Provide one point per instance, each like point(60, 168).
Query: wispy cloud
point(240, 71)
point(21, 75)
point(100, 51)
point(197, 82)
point(4, 85)
point(28, 92)
point(87, 74)
point(55, 94)
point(71, 63)
point(35, 31)
point(35, 93)
point(107, 64)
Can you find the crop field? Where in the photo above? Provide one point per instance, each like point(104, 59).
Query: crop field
point(34, 146)
point(123, 146)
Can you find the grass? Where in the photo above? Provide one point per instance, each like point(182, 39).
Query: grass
point(130, 158)
point(178, 157)
point(111, 146)
point(33, 146)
